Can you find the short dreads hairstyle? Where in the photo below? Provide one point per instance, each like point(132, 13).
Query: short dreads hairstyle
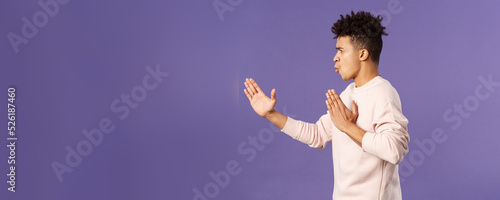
point(365, 31)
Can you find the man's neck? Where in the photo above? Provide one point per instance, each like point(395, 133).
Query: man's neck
point(366, 74)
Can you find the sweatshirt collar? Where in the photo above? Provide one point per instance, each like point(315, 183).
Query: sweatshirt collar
point(368, 85)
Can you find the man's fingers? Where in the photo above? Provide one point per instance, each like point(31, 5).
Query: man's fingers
point(329, 99)
point(254, 84)
point(329, 106)
point(339, 103)
point(248, 95)
point(336, 105)
point(247, 85)
point(252, 88)
point(340, 106)
point(338, 100)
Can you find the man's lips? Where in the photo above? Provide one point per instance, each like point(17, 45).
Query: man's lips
point(336, 70)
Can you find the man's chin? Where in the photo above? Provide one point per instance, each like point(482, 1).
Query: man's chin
point(344, 78)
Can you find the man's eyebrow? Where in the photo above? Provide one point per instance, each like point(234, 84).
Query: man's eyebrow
point(339, 48)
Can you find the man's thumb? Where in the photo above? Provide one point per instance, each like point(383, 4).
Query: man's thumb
point(354, 107)
point(273, 94)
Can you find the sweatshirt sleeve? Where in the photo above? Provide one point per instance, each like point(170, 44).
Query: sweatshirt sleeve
point(390, 139)
point(315, 135)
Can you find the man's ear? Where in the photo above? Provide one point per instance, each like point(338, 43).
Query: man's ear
point(364, 55)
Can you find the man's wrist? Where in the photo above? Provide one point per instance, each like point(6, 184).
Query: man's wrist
point(276, 118)
point(351, 127)
point(270, 114)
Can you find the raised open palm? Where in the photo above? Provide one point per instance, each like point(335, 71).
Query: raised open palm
point(261, 104)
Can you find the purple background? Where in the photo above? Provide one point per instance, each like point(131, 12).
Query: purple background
point(91, 52)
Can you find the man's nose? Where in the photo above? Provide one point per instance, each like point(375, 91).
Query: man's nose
point(336, 59)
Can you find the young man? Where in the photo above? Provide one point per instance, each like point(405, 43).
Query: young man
point(365, 123)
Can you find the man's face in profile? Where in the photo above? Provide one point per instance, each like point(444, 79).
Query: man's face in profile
point(347, 62)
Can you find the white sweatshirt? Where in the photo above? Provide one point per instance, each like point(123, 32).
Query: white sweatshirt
point(371, 171)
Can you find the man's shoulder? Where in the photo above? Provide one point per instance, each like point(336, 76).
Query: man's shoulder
point(383, 87)
point(384, 93)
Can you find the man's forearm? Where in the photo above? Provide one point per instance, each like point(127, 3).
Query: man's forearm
point(355, 133)
point(277, 119)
